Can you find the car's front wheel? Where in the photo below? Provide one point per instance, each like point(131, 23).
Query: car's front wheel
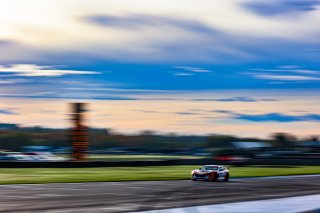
point(226, 178)
point(194, 178)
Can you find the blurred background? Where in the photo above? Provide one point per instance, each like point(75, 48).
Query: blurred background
point(38, 143)
point(120, 91)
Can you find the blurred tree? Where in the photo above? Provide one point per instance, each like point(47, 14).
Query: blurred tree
point(220, 141)
point(146, 141)
point(311, 138)
point(15, 141)
point(314, 137)
point(284, 139)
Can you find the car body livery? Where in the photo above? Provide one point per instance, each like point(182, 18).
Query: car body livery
point(211, 173)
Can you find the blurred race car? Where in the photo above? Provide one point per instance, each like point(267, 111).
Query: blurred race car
point(211, 173)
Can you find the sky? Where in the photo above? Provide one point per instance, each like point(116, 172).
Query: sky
point(242, 67)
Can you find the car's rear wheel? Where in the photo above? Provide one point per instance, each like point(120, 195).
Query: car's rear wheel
point(226, 178)
point(215, 177)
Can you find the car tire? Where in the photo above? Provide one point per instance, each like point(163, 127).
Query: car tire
point(193, 178)
point(226, 178)
point(215, 177)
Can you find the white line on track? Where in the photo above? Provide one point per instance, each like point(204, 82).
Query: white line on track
point(283, 205)
point(277, 177)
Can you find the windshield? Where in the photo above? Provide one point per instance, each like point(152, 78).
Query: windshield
point(211, 167)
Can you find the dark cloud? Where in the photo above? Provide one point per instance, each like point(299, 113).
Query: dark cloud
point(234, 99)
point(7, 112)
point(135, 21)
point(269, 117)
point(187, 113)
point(223, 111)
point(277, 117)
point(280, 7)
point(147, 111)
point(237, 99)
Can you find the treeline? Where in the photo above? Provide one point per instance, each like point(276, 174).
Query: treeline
point(15, 139)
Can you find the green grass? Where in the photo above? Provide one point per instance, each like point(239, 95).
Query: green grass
point(74, 175)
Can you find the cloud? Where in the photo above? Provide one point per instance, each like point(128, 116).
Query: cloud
point(138, 21)
point(237, 99)
point(234, 99)
point(223, 111)
point(7, 112)
point(147, 111)
point(187, 113)
point(288, 67)
point(182, 74)
point(210, 31)
point(73, 96)
point(270, 117)
point(281, 7)
point(312, 72)
point(33, 70)
point(286, 77)
point(277, 117)
point(286, 73)
point(188, 70)
point(192, 69)
point(13, 81)
point(290, 70)
point(118, 90)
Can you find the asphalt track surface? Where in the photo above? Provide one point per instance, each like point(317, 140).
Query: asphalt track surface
point(148, 195)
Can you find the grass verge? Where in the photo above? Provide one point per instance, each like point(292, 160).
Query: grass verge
point(76, 175)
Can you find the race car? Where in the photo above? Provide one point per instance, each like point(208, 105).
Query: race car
point(211, 173)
